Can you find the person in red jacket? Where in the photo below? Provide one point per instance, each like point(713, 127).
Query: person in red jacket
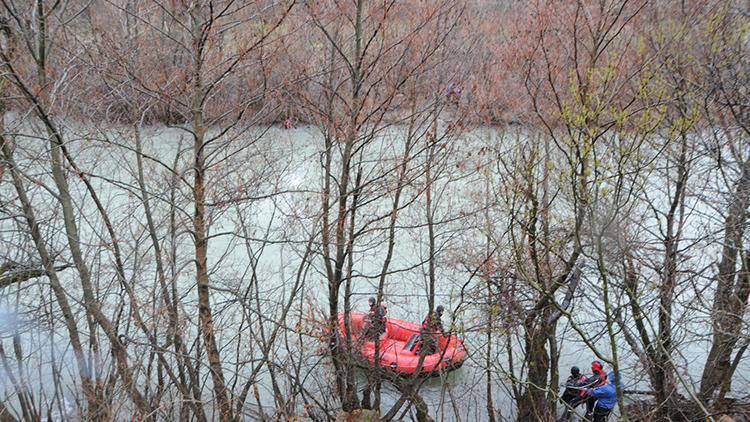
point(597, 379)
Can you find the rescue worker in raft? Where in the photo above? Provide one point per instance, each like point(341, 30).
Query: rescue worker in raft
point(375, 320)
point(432, 326)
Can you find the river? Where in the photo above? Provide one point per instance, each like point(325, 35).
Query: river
point(257, 247)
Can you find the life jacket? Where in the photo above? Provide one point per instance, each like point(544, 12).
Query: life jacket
point(602, 376)
point(433, 324)
point(429, 321)
point(580, 381)
point(573, 382)
point(377, 313)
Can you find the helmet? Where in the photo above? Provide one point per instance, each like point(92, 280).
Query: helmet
point(439, 309)
point(575, 371)
point(371, 301)
point(596, 366)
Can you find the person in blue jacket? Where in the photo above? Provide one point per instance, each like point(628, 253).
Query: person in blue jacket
point(605, 399)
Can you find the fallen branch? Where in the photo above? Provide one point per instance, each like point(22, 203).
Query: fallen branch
point(640, 392)
point(14, 273)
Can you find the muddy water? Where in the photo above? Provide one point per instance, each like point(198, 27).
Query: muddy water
point(282, 170)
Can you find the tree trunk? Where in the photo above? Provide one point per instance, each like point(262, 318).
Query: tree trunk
point(663, 377)
point(730, 298)
point(533, 404)
point(200, 236)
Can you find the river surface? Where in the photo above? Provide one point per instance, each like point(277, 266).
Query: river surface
point(259, 243)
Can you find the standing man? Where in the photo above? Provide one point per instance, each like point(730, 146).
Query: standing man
point(432, 326)
point(375, 320)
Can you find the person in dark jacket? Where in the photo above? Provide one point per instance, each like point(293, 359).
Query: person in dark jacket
point(573, 395)
point(375, 319)
point(432, 326)
point(433, 322)
point(605, 399)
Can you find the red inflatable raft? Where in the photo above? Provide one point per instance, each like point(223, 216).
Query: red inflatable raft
point(394, 349)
